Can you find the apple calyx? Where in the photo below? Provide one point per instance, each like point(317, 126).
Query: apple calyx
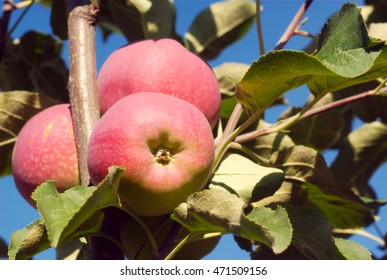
point(163, 156)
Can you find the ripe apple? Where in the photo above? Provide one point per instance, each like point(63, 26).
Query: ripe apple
point(161, 65)
point(165, 144)
point(45, 150)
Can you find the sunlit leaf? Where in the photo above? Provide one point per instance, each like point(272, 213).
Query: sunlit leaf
point(64, 212)
point(344, 42)
point(220, 25)
point(217, 210)
point(352, 250)
point(334, 67)
point(247, 179)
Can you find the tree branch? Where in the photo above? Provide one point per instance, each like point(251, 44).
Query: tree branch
point(82, 81)
point(289, 32)
point(314, 111)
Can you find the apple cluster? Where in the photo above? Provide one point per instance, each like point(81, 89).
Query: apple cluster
point(159, 103)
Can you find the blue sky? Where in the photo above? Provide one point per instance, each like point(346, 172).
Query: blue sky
point(15, 213)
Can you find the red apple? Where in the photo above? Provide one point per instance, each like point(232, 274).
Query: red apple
point(165, 144)
point(45, 150)
point(162, 65)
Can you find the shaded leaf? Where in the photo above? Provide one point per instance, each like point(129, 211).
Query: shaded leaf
point(142, 19)
point(64, 213)
point(266, 145)
point(217, 210)
point(248, 180)
point(29, 241)
point(321, 131)
point(76, 249)
point(220, 25)
point(16, 108)
point(340, 212)
point(352, 250)
point(3, 249)
point(312, 234)
point(304, 166)
point(364, 150)
point(34, 63)
point(58, 18)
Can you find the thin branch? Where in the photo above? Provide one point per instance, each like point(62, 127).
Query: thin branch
point(305, 34)
point(314, 111)
point(362, 233)
point(289, 32)
point(82, 81)
point(259, 28)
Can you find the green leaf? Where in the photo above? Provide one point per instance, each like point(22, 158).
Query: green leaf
point(321, 131)
point(64, 213)
point(228, 74)
point(76, 249)
point(34, 63)
point(29, 241)
point(16, 108)
point(312, 233)
point(217, 210)
point(220, 25)
point(364, 150)
point(344, 41)
point(302, 164)
point(307, 167)
point(352, 250)
point(248, 180)
point(266, 145)
point(341, 213)
point(275, 221)
point(274, 74)
point(338, 64)
point(142, 19)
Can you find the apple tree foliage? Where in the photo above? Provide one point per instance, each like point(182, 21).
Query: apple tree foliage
point(271, 186)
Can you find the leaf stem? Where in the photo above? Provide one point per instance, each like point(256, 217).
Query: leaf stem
point(179, 246)
point(259, 27)
point(224, 144)
point(362, 233)
point(289, 32)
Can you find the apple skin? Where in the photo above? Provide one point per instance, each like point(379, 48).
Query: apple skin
point(165, 144)
point(159, 65)
point(45, 150)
